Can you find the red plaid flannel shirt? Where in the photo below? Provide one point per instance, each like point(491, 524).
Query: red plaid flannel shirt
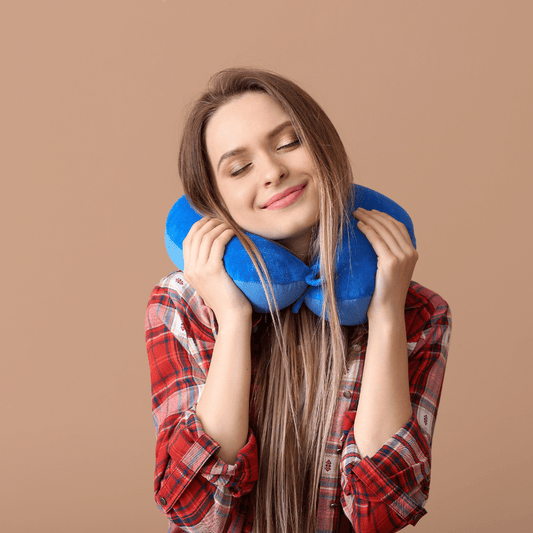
point(199, 492)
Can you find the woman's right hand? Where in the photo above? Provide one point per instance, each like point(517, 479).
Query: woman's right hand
point(203, 250)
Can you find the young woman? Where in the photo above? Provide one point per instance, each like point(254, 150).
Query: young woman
point(282, 421)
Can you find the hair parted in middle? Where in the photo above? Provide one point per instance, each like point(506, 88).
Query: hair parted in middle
point(303, 356)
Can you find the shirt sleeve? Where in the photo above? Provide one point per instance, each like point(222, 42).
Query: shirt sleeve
point(387, 491)
point(194, 488)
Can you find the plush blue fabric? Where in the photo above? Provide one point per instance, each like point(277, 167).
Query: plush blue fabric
point(293, 281)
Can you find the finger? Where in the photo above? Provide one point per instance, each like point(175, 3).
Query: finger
point(401, 227)
point(385, 230)
point(194, 239)
point(186, 246)
point(397, 229)
point(219, 245)
point(381, 248)
point(404, 243)
point(205, 250)
point(194, 228)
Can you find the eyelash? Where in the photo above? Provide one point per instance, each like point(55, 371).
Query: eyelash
point(241, 170)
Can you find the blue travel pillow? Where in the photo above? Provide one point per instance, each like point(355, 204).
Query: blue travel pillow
point(293, 281)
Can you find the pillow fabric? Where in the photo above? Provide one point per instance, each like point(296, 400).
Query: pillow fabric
point(292, 280)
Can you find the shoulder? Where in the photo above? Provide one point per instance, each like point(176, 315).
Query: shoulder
point(425, 309)
point(173, 298)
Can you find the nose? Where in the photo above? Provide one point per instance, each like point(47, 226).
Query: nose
point(273, 171)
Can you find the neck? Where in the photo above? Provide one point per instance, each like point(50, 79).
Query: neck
point(299, 248)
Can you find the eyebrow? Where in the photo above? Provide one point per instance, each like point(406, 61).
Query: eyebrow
point(237, 151)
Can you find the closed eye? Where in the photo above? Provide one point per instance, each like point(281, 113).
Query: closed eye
point(296, 142)
point(240, 170)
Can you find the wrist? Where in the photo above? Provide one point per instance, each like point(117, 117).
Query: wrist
point(387, 317)
point(235, 320)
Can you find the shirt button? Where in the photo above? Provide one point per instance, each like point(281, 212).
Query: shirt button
point(339, 449)
point(347, 394)
point(333, 504)
point(162, 501)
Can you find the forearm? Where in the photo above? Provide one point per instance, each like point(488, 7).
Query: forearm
point(384, 402)
point(223, 408)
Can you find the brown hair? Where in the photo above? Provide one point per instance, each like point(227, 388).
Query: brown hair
point(303, 356)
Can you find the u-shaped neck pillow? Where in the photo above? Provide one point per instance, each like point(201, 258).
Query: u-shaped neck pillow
point(292, 280)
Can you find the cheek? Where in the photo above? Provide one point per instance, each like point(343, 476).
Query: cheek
point(238, 199)
point(304, 159)
point(241, 197)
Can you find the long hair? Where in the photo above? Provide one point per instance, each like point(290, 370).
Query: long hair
point(303, 356)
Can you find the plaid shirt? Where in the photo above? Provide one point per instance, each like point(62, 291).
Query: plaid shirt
point(199, 492)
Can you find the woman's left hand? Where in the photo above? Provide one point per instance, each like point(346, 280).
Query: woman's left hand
point(397, 258)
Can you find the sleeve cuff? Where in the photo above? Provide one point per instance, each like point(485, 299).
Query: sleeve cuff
point(397, 474)
point(390, 493)
point(194, 452)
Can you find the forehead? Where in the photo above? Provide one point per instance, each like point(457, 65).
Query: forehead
point(242, 120)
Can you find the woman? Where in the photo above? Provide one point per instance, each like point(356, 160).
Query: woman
point(287, 422)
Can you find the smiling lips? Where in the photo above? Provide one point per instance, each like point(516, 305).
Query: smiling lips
point(285, 198)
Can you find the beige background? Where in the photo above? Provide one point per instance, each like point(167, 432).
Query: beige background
point(434, 103)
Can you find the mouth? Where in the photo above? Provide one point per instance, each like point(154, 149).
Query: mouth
point(285, 198)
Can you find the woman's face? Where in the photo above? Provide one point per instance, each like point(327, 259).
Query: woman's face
point(255, 156)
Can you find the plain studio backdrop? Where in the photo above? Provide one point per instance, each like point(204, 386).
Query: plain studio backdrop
point(433, 101)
